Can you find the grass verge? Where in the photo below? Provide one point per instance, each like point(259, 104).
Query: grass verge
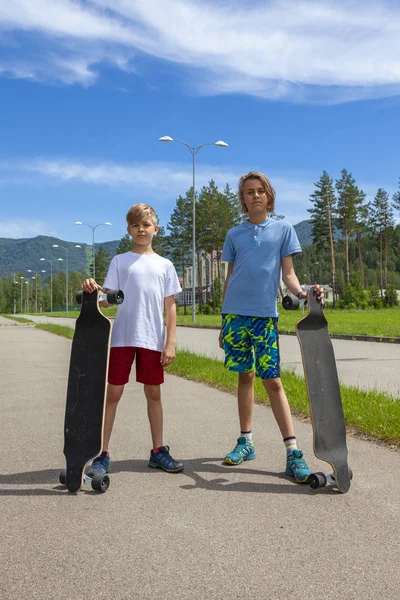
point(373, 415)
point(18, 319)
point(62, 330)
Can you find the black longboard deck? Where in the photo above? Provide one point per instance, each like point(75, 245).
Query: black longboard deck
point(323, 390)
point(84, 412)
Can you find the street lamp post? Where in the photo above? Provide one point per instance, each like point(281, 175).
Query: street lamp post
point(194, 150)
point(21, 281)
point(35, 278)
point(66, 272)
point(51, 283)
point(27, 296)
point(93, 227)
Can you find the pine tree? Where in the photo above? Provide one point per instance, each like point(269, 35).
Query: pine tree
point(349, 199)
point(323, 212)
point(102, 261)
point(381, 220)
point(125, 244)
point(180, 236)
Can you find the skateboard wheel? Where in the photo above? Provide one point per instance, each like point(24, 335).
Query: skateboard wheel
point(100, 482)
point(78, 297)
point(290, 303)
point(115, 297)
point(316, 480)
point(63, 477)
point(350, 473)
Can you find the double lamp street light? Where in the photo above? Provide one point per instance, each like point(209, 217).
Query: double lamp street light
point(194, 150)
point(93, 228)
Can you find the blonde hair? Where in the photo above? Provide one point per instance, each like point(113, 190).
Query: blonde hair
point(265, 184)
point(140, 212)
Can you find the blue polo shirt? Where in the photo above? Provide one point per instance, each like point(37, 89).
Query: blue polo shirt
point(257, 252)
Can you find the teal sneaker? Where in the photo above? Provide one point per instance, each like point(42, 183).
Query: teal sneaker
point(297, 467)
point(101, 464)
point(243, 450)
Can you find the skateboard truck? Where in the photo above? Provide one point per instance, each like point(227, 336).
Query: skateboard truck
point(318, 480)
point(99, 482)
point(112, 297)
point(290, 302)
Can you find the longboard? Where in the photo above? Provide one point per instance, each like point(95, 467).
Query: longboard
point(320, 372)
point(86, 391)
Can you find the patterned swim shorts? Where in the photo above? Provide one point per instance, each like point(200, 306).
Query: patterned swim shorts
point(251, 342)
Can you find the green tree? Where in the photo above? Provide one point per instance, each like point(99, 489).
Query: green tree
point(350, 197)
point(125, 244)
point(382, 221)
point(323, 212)
point(180, 236)
point(102, 262)
point(396, 200)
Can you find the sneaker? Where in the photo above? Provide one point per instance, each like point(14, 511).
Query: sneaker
point(297, 467)
point(243, 450)
point(101, 464)
point(163, 460)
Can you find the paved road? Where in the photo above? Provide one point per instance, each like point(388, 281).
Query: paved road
point(213, 532)
point(367, 365)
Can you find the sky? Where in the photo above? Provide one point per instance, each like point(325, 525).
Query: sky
point(88, 87)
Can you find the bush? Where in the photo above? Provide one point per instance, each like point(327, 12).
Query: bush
point(390, 298)
point(205, 309)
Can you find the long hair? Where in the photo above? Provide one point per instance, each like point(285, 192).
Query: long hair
point(269, 190)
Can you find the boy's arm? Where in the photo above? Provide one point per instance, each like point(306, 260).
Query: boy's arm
point(168, 353)
point(292, 283)
point(290, 278)
point(229, 273)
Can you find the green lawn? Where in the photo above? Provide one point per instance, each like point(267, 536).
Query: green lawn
point(18, 319)
point(380, 323)
point(374, 415)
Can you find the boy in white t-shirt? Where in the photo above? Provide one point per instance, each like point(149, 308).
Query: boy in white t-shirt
point(149, 283)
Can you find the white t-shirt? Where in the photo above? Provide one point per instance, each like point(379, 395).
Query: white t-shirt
point(145, 279)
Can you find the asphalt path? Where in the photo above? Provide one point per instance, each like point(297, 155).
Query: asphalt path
point(367, 365)
point(213, 531)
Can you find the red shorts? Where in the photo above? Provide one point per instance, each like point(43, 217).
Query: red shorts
point(148, 367)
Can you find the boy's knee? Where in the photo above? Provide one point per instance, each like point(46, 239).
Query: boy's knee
point(114, 393)
point(273, 385)
point(152, 392)
point(247, 377)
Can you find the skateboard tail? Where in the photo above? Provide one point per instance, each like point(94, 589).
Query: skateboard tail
point(74, 477)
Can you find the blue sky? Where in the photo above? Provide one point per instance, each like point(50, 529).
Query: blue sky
point(88, 87)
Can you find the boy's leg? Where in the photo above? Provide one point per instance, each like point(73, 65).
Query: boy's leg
point(266, 343)
point(239, 357)
point(150, 372)
point(154, 413)
point(101, 464)
point(114, 394)
point(119, 368)
point(245, 400)
point(280, 406)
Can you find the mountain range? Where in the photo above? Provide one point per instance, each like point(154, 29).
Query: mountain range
point(19, 255)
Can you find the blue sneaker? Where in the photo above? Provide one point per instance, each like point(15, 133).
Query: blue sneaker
point(243, 450)
point(163, 460)
point(101, 464)
point(297, 467)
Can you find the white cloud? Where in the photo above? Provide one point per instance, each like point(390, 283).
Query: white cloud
point(160, 181)
point(308, 51)
point(17, 228)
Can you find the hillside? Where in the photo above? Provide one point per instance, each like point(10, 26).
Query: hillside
point(19, 255)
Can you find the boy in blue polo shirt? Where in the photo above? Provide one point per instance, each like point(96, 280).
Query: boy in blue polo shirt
point(256, 251)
